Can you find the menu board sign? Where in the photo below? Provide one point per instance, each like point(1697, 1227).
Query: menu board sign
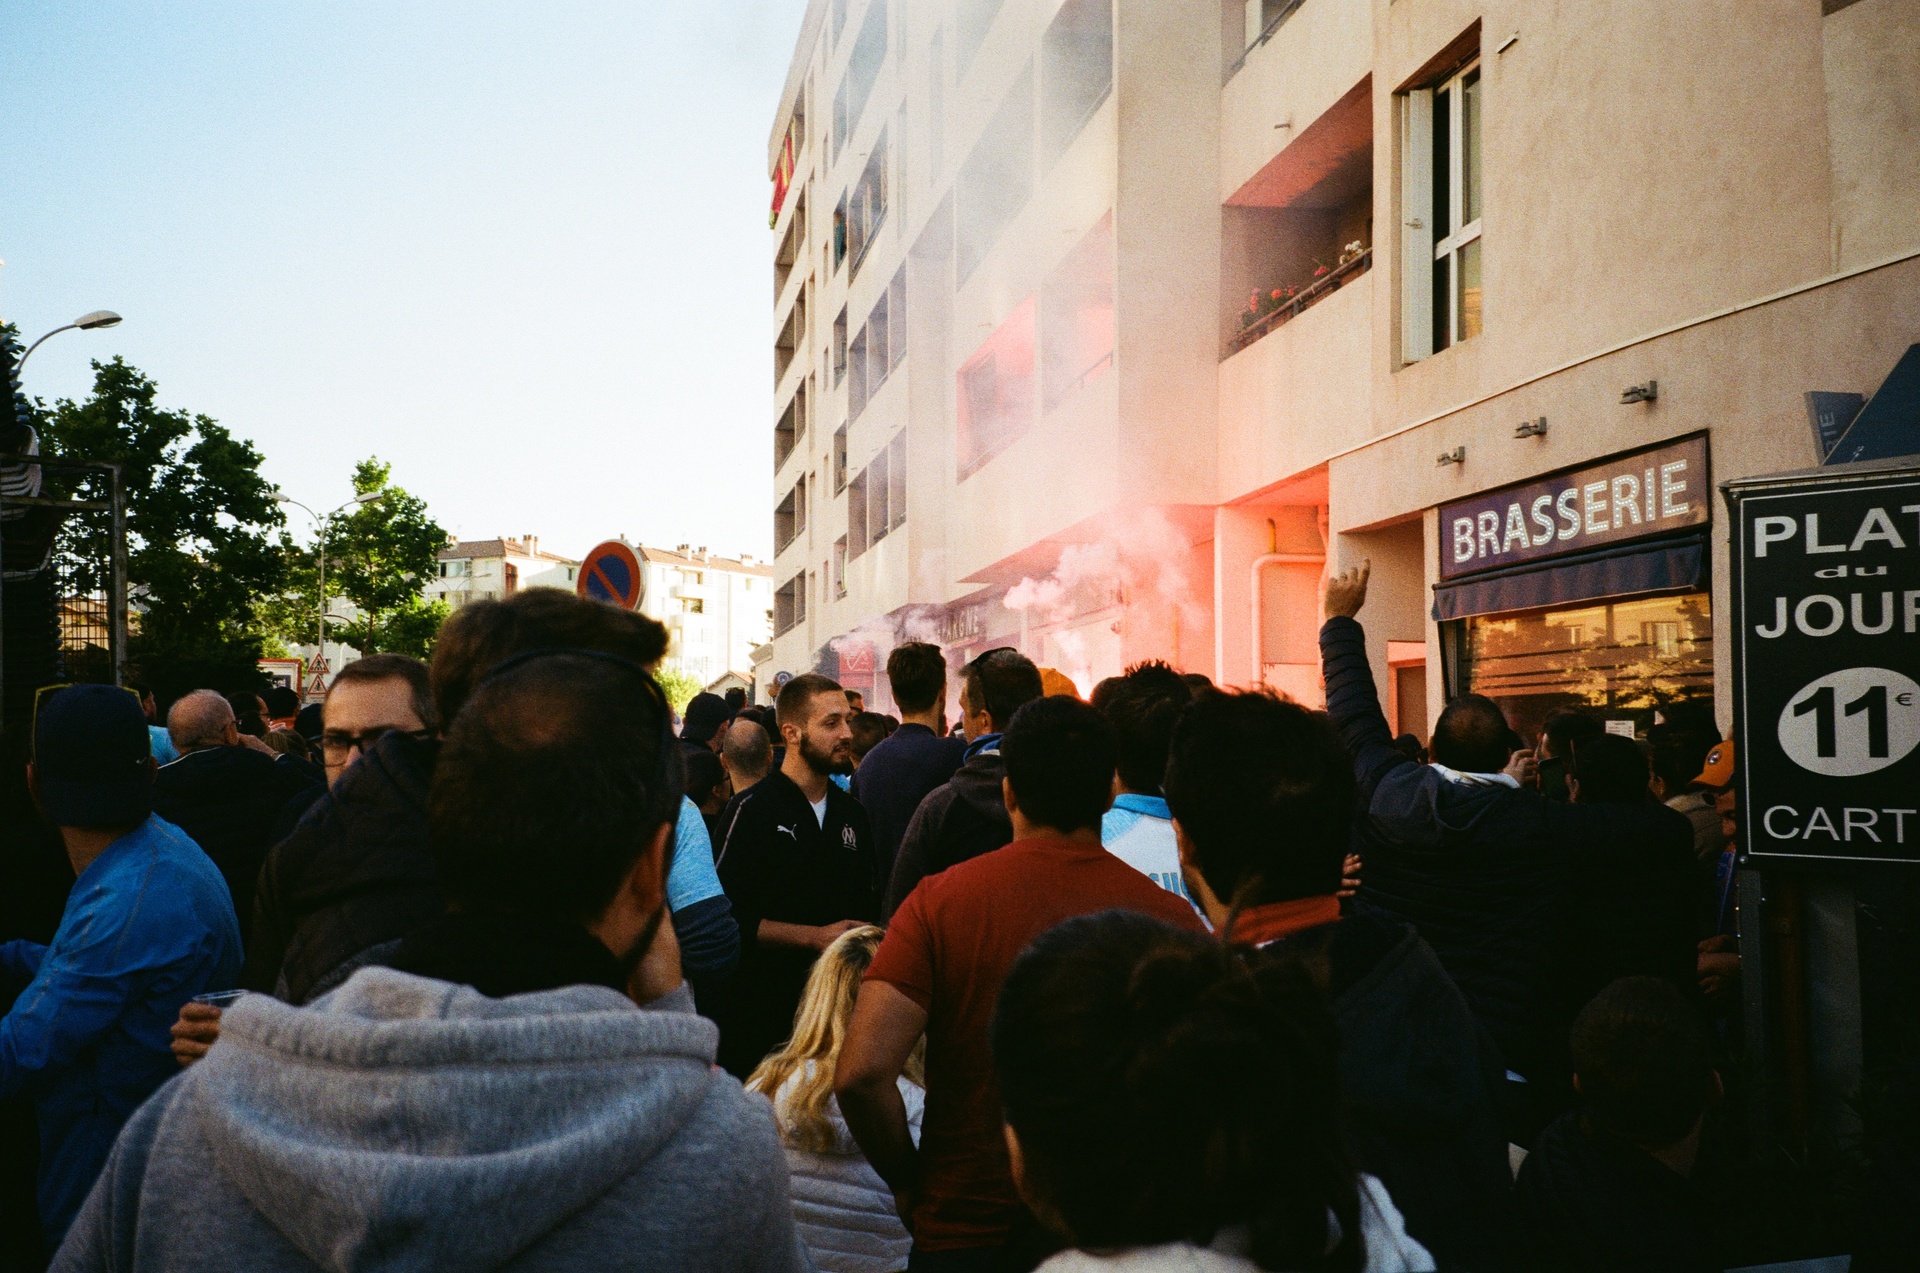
point(1651, 492)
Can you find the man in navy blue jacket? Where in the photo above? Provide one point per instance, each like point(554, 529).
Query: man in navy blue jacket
point(897, 774)
point(1484, 866)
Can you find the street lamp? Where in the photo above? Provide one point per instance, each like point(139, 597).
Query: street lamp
point(85, 323)
point(324, 524)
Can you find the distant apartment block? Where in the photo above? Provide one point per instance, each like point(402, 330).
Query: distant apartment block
point(494, 569)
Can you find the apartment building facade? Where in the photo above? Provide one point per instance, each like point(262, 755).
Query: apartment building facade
point(1105, 327)
point(494, 569)
point(717, 609)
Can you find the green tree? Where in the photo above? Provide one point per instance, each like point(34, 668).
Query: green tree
point(200, 559)
point(680, 687)
point(379, 556)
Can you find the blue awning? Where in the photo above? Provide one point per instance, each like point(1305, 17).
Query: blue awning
point(1673, 565)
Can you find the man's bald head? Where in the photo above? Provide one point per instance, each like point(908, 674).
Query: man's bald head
point(747, 751)
point(202, 719)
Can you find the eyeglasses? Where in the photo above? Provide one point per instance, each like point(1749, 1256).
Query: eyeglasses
point(338, 744)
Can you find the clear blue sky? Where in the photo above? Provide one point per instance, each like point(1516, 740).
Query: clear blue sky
point(518, 250)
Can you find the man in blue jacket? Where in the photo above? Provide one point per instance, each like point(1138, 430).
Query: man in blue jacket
point(1486, 868)
point(149, 924)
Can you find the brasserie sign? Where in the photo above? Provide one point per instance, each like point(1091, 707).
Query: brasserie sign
point(1651, 492)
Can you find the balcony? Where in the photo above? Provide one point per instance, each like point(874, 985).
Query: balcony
point(1299, 393)
point(1266, 313)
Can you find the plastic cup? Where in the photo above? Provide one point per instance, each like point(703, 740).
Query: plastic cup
point(221, 999)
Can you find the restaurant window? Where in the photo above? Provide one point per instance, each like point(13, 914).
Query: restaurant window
point(1442, 191)
point(1621, 658)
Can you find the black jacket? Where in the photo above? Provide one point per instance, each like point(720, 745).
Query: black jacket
point(781, 863)
point(1591, 1203)
point(960, 819)
point(356, 872)
point(1420, 1086)
point(229, 800)
point(895, 777)
point(1489, 874)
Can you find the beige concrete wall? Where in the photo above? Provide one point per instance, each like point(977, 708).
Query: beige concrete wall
point(1319, 53)
point(1299, 393)
point(1644, 163)
point(1167, 247)
point(1871, 58)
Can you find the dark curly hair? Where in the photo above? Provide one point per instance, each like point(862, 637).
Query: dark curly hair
point(1162, 1090)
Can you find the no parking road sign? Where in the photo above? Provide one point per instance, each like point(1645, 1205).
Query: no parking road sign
point(1826, 627)
point(611, 572)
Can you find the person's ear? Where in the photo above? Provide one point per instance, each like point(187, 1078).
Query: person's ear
point(1008, 798)
point(1015, 1159)
point(1573, 789)
point(646, 884)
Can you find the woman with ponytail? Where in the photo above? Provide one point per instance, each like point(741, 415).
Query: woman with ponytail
point(1168, 1108)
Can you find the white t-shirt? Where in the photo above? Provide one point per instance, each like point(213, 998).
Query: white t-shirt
point(820, 812)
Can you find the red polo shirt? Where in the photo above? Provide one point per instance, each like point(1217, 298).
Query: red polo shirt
point(948, 948)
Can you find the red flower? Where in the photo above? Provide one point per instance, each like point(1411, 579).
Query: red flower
point(1320, 272)
point(1277, 294)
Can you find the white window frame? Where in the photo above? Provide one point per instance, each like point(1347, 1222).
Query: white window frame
point(1420, 248)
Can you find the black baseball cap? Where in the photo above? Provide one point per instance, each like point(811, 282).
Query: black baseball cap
point(93, 758)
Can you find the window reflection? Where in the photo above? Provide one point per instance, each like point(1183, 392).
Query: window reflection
point(1620, 659)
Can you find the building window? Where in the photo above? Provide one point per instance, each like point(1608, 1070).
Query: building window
point(1441, 186)
point(840, 347)
point(840, 567)
point(693, 605)
point(880, 346)
point(857, 379)
point(995, 391)
point(897, 480)
point(863, 69)
point(840, 459)
point(1076, 315)
point(936, 104)
point(789, 516)
point(1076, 72)
point(993, 184)
point(879, 489)
point(970, 28)
point(867, 205)
point(839, 245)
point(857, 515)
point(510, 574)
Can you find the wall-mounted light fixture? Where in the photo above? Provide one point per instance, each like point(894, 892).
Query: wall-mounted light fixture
point(1641, 393)
point(1531, 428)
point(1456, 456)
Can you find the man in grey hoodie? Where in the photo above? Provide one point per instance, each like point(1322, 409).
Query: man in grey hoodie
point(491, 1098)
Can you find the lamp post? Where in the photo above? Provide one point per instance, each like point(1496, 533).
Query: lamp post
point(86, 323)
point(324, 524)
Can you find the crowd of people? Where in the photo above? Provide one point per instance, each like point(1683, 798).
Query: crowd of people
point(528, 971)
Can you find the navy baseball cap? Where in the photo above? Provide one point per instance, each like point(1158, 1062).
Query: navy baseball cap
point(92, 757)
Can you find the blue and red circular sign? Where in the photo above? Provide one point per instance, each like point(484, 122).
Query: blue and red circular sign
point(611, 573)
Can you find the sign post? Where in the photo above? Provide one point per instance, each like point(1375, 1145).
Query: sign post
point(611, 573)
point(1826, 663)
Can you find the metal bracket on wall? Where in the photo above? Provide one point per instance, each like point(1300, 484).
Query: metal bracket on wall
point(1641, 393)
point(1531, 428)
point(1456, 456)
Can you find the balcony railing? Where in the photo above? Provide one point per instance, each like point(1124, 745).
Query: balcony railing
point(1306, 298)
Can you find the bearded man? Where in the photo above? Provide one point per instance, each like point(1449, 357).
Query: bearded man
point(798, 865)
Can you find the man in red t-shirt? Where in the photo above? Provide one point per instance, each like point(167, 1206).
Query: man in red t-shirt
point(939, 970)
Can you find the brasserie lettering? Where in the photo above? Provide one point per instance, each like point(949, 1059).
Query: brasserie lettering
point(1622, 501)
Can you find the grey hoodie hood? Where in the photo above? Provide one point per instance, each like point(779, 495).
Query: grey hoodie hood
point(401, 1122)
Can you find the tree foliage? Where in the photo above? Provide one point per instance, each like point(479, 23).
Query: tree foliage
point(200, 560)
point(680, 687)
point(379, 556)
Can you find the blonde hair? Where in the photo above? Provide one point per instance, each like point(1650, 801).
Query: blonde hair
point(819, 1030)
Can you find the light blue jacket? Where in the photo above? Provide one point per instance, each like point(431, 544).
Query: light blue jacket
point(1139, 831)
point(148, 925)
